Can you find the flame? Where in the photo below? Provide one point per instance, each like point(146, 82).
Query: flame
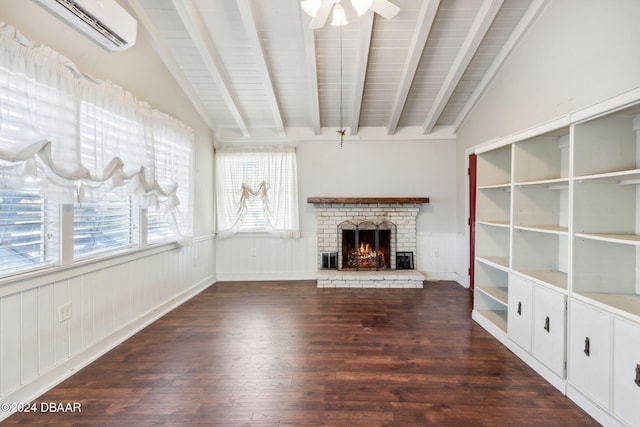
point(365, 249)
point(366, 256)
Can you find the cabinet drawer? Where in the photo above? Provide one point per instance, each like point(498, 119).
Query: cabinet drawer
point(589, 352)
point(549, 329)
point(626, 371)
point(520, 313)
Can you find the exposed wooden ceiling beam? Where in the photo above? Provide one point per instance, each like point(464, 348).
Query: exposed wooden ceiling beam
point(297, 135)
point(523, 25)
point(362, 60)
point(420, 36)
point(312, 71)
point(478, 30)
point(198, 32)
point(251, 30)
point(161, 48)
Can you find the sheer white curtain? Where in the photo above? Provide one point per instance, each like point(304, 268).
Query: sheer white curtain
point(257, 191)
point(172, 187)
point(80, 139)
point(37, 115)
point(112, 140)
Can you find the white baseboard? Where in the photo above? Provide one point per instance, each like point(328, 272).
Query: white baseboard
point(258, 277)
point(437, 276)
point(599, 414)
point(462, 279)
point(31, 391)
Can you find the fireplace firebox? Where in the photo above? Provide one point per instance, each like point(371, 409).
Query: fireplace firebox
point(366, 245)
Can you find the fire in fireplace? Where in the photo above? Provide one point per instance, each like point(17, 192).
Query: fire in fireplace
point(366, 246)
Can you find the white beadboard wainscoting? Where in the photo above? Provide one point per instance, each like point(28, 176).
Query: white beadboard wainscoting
point(437, 255)
point(254, 257)
point(108, 300)
point(251, 257)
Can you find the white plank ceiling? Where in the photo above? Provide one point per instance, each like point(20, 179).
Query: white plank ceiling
point(256, 72)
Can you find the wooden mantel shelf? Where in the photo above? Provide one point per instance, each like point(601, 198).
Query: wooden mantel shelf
point(368, 200)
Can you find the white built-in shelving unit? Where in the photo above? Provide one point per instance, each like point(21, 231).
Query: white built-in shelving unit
point(557, 268)
point(493, 207)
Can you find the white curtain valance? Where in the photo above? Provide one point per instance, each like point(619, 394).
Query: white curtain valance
point(80, 138)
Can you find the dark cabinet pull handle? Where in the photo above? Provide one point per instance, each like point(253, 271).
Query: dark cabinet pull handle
point(546, 324)
point(637, 381)
point(587, 345)
point(519, 308)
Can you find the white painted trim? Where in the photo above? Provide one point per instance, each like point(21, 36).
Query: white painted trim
point(160, 47)
point(542, 128)
point(198, 32)
point(490, 327)
point(55, 376)
point(607, 105)
point(251, 31)
point(550, 376)
point(522, 27)
point(478, 30)
point(19, 283)
point(309, 39)
point(599, 414)
point(362, 60)
point(493, 144)
point(462, 280)
point(420, 35)
point(439, 276)
point(298, 135)
point(258, 277)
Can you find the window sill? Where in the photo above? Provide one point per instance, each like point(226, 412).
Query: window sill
point(48, 274)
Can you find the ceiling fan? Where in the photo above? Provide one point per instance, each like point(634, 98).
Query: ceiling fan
point(320, 10)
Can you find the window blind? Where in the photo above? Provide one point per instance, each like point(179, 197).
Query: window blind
point(27, 238)
point(102, 227)
point(158, 229)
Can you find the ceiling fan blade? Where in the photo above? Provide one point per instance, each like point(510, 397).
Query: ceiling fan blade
point(385, 8)
point(322, 15)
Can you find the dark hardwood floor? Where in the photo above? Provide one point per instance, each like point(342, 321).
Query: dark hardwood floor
point(288, 354)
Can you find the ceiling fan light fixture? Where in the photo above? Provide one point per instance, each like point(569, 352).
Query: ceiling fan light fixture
point(338, 18)
point(311, 7)
point(361, 6)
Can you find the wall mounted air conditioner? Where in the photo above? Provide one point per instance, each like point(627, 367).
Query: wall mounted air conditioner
point(104, 21)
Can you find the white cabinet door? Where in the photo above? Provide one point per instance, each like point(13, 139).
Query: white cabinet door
point(520, 312)
point(589, 352)
point(549, 326)
point(626, 371)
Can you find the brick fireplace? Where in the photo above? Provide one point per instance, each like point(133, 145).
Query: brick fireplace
point(386, 261)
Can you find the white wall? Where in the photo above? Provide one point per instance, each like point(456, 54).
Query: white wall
point(359, 169)
point(110, 299)
point(378, 169)
point(577, 53)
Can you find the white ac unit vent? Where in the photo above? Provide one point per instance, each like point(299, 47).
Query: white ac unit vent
point(104, 21)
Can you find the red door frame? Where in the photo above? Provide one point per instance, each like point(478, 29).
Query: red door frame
point(472, 217)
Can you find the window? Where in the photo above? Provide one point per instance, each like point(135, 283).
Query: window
point(158, 229)
point(257, 191)
point(102, 227)
point(27, 238)
point(66, 139)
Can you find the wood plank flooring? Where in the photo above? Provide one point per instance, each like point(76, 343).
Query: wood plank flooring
point(289, 354)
